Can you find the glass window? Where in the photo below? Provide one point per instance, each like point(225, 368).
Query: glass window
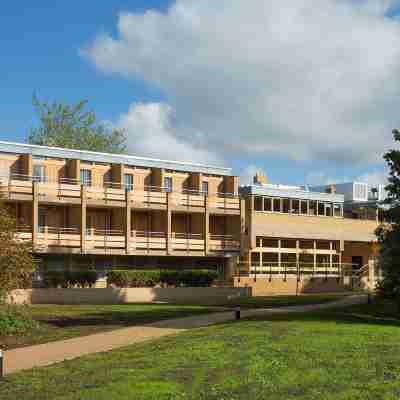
point(295, 206)
point(168, 184)
point(337, 210)
point(321, 208)
point(258, 203)
point(41, 219)
point(267, 204)
point(86, 177)
point(303, 207)
point(204, 187)
point(328, 209)
point(39, 173)
point(313, 207)
point(285, 205)
point(277, 205)
point(128, 182)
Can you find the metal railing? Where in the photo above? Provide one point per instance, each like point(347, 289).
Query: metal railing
point(299, 269)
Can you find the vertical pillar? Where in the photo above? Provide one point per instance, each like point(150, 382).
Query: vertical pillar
point(169, 224)
point(128, 216)
point(206, 226)
point(279, 255)
point(83, 219)
point(251, 232)
point(35, 213)
point(315, 255)
point(330, 253)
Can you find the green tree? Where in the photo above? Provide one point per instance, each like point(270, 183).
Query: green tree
point(73, 127)
point(389, 233)
point(16, 260)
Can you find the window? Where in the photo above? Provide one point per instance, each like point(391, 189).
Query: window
point(337, 210)
point(204, 187)
point(303, 207)
point(258, 203)
point(321, 208)
point(128, 182)
point(86, 177)
point(168, 184)
point(295, 206)
point(277, 205)
point(328, 209)
point(313, 207)
point(39, 173)
point(267, 204)
point(41, 219)
point(286, 206)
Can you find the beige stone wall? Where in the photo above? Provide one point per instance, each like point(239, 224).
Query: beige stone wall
point(278, 286)
point(312, 227)
point(130, 295)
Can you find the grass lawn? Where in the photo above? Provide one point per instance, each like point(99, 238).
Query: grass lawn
point(63, 321)
point(351, 353)
point(66, 321)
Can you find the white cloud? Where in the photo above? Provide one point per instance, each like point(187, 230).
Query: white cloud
point(298, 79)
point(150, 132)
point(374, 178)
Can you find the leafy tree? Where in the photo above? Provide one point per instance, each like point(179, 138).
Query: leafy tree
point(16, 261)
point(389, 234)
point(71, 126)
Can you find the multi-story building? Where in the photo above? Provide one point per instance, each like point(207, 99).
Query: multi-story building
point(297, 237)
point(83, 208)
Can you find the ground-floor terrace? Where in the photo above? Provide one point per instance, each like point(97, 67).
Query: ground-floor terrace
point(288, 265)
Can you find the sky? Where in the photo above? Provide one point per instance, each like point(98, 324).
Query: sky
point(306, 91)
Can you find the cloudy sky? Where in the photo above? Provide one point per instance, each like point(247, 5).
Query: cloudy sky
point(305, 90)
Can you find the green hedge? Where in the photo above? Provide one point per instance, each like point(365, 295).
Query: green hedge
point(150, 278)
point(66, 279)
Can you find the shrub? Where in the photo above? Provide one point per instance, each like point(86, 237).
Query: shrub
point(16, 320)
point(66, 279)
point(150, 278)
point(134, 278)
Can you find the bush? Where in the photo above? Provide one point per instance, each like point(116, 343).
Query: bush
point(67, 279)
point(16, 320)
point(134, 278)
point(150, 278)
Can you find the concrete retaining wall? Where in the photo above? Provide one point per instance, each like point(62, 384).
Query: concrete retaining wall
point(127, 295)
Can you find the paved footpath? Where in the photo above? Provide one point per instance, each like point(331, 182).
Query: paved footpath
point(54, 352)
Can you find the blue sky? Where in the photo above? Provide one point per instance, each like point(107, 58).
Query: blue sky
point(234, 101)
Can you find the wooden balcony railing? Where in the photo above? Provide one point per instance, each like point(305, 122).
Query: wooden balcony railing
point(68, 189)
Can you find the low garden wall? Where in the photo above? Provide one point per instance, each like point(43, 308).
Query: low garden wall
point(192, 295)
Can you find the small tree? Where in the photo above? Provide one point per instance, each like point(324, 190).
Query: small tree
point(71, 126)
point(16, 261)
point(389, 234)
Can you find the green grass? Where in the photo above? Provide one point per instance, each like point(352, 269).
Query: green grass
point(351, 353)
point(283, 301)
point(59, 322)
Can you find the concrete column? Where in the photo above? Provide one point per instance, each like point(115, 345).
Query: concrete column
point(169, 224)
point(83, 219)
point(315, 254)
point(230, 267)
point(242, 238)
point(35, 213)
point(206, 226)
point(330, 254)
point(128, 215)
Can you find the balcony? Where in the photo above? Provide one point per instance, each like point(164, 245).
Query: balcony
point(100, 241)
point(65, 190)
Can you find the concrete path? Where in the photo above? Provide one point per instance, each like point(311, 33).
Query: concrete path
point(54, 352)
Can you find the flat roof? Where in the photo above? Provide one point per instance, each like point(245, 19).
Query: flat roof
point(84, 155)
point(291, 192)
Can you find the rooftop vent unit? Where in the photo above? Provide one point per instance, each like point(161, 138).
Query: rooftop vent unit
point(352, 191)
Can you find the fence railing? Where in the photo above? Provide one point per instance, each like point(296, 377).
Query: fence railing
point(299, 269)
